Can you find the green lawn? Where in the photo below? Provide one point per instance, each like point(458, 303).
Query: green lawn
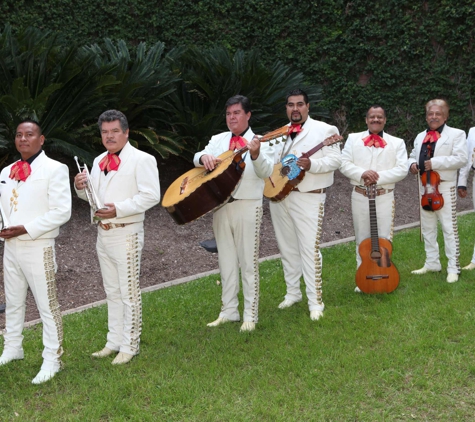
point(398, 357)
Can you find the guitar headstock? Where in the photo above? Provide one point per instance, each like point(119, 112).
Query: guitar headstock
point(371, 191)
point(332, 140)
point(274, 135)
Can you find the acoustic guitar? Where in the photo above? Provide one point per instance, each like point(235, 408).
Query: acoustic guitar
point(287, 174)
point(376, 274)
point(199, 191)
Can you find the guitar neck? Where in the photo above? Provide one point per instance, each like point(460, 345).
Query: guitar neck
point(268, 137)
point(313, 150)
point(373, 222)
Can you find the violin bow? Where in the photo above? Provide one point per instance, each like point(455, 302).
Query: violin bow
point(421, 238)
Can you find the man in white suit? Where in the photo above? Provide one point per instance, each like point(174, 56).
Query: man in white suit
point(237, 224)
point(448, 149)
point(35, 202)
point(297, 219)
point(463, 177)
point(126, 182)
point(373, 157)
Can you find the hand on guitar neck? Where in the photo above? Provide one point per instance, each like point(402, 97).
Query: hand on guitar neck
point(370, 177)
point(304, 163)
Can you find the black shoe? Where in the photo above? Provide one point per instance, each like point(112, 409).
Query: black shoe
point(209, 245)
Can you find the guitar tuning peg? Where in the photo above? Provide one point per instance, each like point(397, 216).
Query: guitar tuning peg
point(271, 144)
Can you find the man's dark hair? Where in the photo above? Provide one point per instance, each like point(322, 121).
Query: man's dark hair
point(297, 91)
point(112, 116)
point(28, 120)
point(376, 106)
point(239, 99)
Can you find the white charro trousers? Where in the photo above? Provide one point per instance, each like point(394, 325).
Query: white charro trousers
point(32, 263)
point(237, 227)
point(447, 216)
point(361, 220)
point(473, 197)
point(119, 251)
point(297, 222)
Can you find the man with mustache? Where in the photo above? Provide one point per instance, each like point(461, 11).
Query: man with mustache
point(126, 182)
point(297, 219)
point(373, 157)
point(442, 149)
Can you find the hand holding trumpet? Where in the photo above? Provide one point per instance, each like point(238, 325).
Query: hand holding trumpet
point(80, 181)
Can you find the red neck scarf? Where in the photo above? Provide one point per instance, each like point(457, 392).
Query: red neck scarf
point(432, 136)
point(20, 171)
point(294, 128)
point(237, 142)
point(374, 141)
point(110, 162)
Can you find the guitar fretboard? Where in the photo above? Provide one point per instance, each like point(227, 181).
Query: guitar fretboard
point(373, 221)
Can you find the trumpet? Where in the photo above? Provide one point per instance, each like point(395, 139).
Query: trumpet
point(91, 195)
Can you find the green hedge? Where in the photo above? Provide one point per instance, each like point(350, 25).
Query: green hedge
point(398, 53)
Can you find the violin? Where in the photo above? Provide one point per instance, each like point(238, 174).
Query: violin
point(432, 199)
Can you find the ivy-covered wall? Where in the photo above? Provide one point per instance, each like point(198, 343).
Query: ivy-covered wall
point(397, 53)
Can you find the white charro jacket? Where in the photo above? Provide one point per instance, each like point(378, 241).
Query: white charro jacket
point(43, 201)
point(450, 153)
point(251, 185)
point(323, 163)
point(389, 162)
point(133, 188)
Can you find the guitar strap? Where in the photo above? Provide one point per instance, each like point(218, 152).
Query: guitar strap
point(242, 160)
point(287, 151)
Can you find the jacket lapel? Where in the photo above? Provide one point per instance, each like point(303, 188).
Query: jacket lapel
point(124, 157)
point(442, 140)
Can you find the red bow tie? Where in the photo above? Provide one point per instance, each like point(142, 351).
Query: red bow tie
point(237, 142)
point(20, 171)
point(374, 141)
point(432, 136)
point(110, 162)
point(294, 128)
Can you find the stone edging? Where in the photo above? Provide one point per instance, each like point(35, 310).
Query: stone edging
point(183, 280)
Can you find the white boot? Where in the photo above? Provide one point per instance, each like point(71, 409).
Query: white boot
point(452, 278)
point(7, 358)
point(248, 326)
point(424, 270)
point(104, 353)
point(122, 358)
point(315, 315)
point(219, 321)
point(287, 303)
point(44, 376)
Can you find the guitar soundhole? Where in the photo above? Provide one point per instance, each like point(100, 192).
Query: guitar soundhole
point(285, 170)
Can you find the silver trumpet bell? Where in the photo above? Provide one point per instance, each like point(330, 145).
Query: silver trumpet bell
point(91, 195)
